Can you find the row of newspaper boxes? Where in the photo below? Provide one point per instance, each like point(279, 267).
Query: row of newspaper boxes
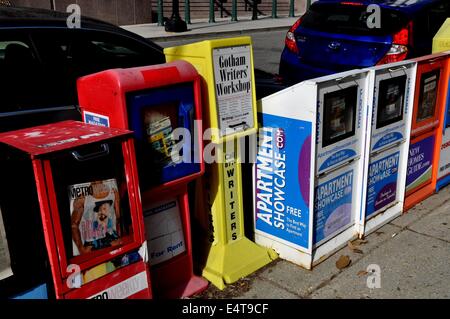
point(117, 209)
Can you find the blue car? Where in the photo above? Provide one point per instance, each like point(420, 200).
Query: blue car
point(335, 36)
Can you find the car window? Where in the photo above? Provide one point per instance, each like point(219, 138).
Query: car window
point(20, 70)
point(69, 54)
point(92, 52)
point(351, 19)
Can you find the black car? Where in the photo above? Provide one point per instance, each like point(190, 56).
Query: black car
point(41, 58)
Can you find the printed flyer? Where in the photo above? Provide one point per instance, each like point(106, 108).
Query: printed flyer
point(95, 215)
point(164, 231)
point(233, 79)
point(282, 184)
point(333, 205)
point(420, 163)
point(382, 183)
point(5, 262)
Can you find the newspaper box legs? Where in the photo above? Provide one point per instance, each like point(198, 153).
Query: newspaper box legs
point(90, 207)
point(226, 66)
point(162, 105)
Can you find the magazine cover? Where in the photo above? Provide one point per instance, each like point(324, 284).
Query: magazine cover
point(159, 127)
point(428, 95)
point(5, 261)
point(95, 215)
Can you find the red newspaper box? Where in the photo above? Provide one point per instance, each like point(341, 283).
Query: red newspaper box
point(87, 187)
point(156, 102)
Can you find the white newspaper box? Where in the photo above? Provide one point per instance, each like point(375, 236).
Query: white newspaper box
point(388, 135)
point(310, 166)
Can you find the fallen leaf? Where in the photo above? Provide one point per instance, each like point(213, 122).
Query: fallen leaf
point(362, 273)
point(353, 248)
point(359, 242)
point(343, 261)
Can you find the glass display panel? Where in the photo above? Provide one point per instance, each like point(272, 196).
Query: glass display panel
point(390, 101)
point(339, 115)
point(429, 84)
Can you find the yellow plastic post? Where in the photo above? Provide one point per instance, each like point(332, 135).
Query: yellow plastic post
point(226, 66)
point(441, 41)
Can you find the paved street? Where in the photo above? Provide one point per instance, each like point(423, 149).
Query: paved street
point(267, 46)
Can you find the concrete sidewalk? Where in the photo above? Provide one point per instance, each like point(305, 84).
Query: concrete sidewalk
point(412, 251)
point(202, 28)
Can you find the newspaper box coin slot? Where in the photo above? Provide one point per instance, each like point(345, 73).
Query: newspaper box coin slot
point(161, 104)
point(310, 164)
point(392, 96)
point(426, 128)
point(226, 67)
point(91, 212)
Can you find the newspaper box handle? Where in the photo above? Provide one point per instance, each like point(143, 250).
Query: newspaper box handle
point(104, 150)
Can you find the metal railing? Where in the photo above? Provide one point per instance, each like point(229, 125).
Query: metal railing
point(218, 5)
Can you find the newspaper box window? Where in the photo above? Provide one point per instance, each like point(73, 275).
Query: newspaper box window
point(93, 191)
point(339, 115)
point(154, 115)
point(91, 212)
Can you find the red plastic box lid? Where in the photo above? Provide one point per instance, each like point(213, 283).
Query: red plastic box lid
point(44, 139)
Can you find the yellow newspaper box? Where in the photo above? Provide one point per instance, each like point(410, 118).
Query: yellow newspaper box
point(226, 66)
point(441, 41)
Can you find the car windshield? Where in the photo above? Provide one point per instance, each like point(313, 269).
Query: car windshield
point(352, 19)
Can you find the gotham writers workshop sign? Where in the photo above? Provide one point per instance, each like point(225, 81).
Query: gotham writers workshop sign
point(233, 86)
